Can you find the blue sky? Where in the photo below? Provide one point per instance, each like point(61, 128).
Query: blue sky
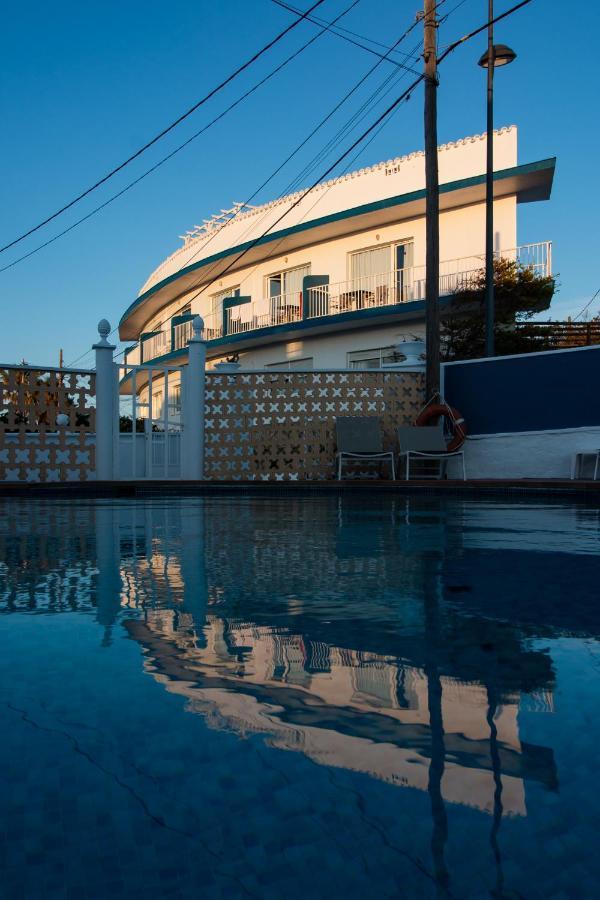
point(83, 85)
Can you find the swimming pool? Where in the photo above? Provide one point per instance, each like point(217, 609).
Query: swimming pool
point(292, 697)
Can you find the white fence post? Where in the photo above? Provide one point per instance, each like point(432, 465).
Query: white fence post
point(105, 404)
point(192, 463)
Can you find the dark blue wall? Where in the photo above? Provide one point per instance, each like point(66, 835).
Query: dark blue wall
point(535, 392)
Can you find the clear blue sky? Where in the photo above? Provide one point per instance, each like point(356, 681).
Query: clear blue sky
point(83, 85)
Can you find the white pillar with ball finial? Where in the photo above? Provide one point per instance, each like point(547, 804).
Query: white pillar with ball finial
point(105, 403)
point(194, 380)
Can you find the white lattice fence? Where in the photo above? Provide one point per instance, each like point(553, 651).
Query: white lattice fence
point(280, 426)
point(47, 424)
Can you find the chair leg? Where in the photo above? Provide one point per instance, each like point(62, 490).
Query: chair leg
point(408, 466)
point(462, 456)
point(393, 467)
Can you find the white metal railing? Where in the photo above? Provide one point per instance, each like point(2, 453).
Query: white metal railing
point(406, 285)
point(157, 345)
point(367, 291)
point(213, 326)
point(181, 335)
point(265, 313)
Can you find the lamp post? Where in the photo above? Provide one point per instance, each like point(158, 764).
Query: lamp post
point(495, 55)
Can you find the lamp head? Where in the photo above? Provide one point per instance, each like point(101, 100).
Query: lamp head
point(502, 56)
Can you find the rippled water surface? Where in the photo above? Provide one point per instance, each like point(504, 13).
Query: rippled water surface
point(312, 697)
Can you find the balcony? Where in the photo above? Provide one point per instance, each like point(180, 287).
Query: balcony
point(183, 332)
point(371, 291)
point(408, 285)
point(388, 289)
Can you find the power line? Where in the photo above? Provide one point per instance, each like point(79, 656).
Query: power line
point(381, 118)
point(344, 37)
point(324, 175)
point(309, 167)
point(319, 21)
point(166, 130)
point(356, 118)
point(472, 34)
point(289, 187)
point(177, 149)
point(587, 305)
point(379, 121)
point(336, 139)
point(205, 128)
point(305, 193)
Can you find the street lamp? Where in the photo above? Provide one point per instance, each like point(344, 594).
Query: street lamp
point(496, 55)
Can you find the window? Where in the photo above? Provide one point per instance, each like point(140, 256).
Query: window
point(175, 400)
point(305, 363)
point(384, 273)
point(157, 404)
point(371, 359)
point(287, 284)
point(216, 302)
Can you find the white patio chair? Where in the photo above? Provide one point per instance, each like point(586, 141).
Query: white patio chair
point(359, 438)
point(426, 442)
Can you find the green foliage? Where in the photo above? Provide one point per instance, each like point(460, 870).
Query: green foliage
point(126, 425)
point(519, 293)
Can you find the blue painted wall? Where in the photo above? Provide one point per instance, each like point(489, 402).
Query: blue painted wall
point(536, 392)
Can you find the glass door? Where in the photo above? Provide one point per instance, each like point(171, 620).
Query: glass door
point(404, 266)
point(370, 275)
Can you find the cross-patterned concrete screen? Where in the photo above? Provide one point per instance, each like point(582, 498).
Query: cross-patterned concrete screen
point(47, 424)
point(279, 426)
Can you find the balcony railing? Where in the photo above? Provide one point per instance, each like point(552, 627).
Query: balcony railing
point(265, 313)
point(407, 285)
point(157, 345)
point(213, 326)
point(365, 292)
point(181, 335)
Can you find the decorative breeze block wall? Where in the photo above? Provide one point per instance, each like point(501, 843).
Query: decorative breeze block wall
point(33, 447)
point(263, 426)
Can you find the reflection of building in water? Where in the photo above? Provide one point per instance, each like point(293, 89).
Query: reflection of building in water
point(369, 639)
point(342, 707)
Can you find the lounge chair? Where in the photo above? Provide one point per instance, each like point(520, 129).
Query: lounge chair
point(359, 437)
point(426, 442)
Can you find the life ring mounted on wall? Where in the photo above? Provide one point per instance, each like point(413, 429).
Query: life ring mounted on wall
point(452, 416)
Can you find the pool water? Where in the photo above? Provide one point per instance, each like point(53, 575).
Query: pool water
point(299, 697)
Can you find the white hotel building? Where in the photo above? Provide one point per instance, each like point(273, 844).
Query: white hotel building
point(337, 280)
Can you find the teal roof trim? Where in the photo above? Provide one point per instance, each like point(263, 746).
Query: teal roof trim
point(387, 203)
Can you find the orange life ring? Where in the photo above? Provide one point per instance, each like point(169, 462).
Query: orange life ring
point(456, 420)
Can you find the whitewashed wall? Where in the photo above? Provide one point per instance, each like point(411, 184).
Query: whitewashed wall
point(457, 159)
point(330, 350)
point(462, 233)
point(529, 454)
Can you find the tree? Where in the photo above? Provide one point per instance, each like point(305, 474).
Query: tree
point(519, 294)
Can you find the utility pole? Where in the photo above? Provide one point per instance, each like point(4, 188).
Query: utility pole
point(489, 192)
point(432, 206)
